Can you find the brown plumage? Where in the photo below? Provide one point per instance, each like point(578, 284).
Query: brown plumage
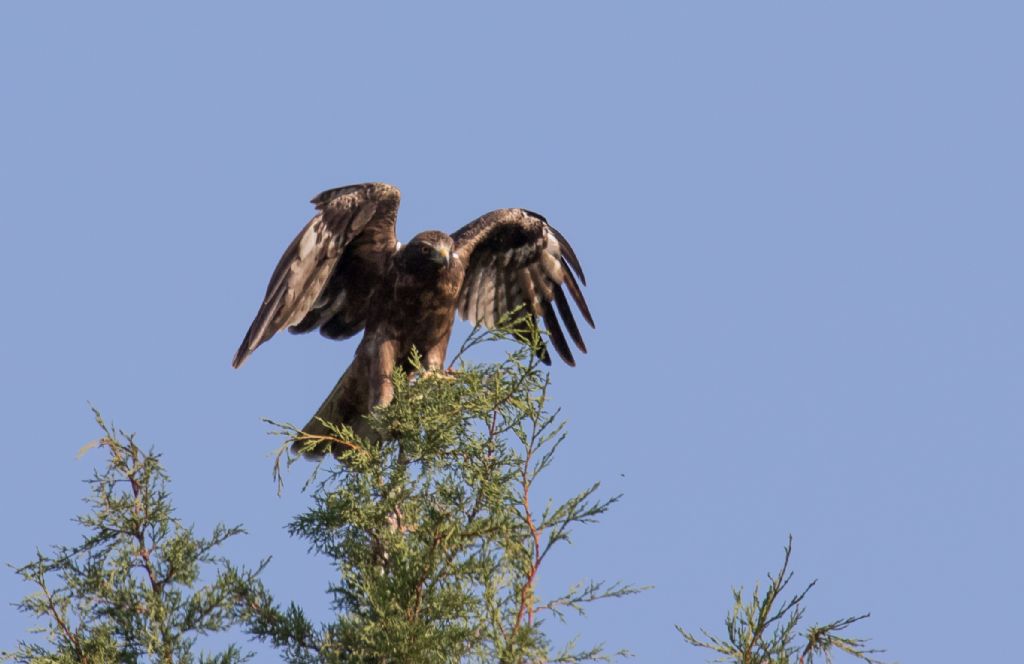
point(346, 272)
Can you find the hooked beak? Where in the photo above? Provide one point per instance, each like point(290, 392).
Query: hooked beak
point(443, 256)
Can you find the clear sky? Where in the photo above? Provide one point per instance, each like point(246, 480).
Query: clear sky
point(801, 222)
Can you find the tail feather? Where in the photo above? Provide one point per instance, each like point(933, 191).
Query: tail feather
point(347, 404)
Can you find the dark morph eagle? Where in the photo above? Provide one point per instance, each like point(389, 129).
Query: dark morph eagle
point(346, 272)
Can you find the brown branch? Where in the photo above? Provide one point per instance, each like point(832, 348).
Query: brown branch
point(60, 622)
point(303, 436)
point(140, 533)
point(525, 606)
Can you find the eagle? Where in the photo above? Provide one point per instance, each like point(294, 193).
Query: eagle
point(345, 272)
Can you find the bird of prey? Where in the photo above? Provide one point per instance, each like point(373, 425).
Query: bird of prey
point(346, 272)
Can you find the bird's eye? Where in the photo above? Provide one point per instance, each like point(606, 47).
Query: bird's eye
point(424, 249)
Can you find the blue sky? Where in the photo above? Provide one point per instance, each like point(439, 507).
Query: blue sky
point(801, 224)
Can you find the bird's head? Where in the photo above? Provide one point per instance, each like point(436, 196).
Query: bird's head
point(430, 250)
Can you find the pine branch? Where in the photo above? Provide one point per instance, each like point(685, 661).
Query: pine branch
point(434, 529)
point(749, 639)
point(130, 587)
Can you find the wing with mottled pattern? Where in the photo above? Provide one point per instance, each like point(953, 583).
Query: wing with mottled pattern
point(514, 258)
point(327, 274)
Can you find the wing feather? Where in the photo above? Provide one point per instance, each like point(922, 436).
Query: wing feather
point(570, 323)
point(540, 281)
point(328, 273)
point(577, 295)
point(487, 293)
point(556, 335)
point(514, 258)
point(501, 296)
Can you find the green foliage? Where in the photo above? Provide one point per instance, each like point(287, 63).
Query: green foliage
point(129, 592)
point(765, 629)
point(436, 531)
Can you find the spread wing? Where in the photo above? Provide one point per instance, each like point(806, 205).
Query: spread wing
point(328, 273)
point(513, 258)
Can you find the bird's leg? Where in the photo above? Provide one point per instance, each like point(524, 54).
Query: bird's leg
point(433, 364)
point(382, 391)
